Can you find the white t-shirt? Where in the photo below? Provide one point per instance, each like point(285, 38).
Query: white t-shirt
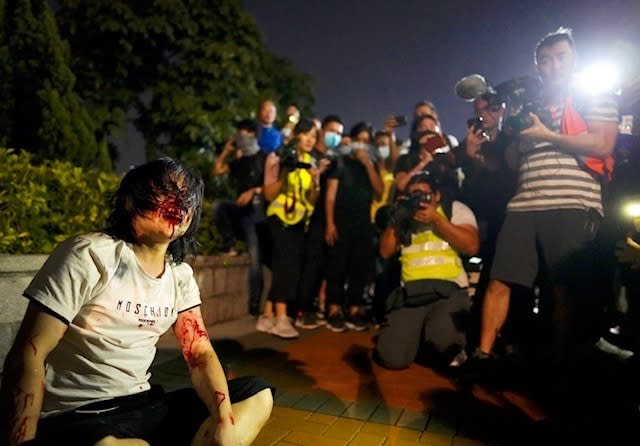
point(116, 312)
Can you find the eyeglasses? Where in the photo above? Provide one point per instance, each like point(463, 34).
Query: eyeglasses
point(488, 108)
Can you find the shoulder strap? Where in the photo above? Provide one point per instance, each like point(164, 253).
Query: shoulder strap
point(447, 204)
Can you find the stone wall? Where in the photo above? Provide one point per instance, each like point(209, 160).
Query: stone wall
point(16, 271)
point(223, 285)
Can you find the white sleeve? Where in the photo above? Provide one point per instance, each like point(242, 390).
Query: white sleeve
point(189, 290)
point(68, 278)
point(461, 214)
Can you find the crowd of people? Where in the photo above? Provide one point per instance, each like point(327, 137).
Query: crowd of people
point(355, 229)
point(368, 230)
point(532, 205)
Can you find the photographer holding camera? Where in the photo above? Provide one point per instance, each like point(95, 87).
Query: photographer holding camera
point(429, 310)
point(487, 162)
point(292, 187)
point(243, 161)
point(557, 208)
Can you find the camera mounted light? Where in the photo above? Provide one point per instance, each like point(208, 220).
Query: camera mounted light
point(293, 118)
point(598, 78)
point(632, 209)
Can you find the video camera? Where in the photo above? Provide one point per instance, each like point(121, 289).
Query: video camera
point(404, 210)
point(289, 157)
point(521, 96)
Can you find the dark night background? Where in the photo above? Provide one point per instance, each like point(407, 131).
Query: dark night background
point(373, 58)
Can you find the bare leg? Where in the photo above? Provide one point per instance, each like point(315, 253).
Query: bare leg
point(268, 309)
point(333, 309)
point(250, 417)
point(110, 440)
point(281, 309)
point(322, 294)
point(494, 313)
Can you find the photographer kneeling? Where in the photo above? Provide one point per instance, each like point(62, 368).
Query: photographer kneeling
point(428, 312)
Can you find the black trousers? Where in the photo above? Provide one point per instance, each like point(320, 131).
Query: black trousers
point(351, 262)
point(286, 260)
point(313, 265)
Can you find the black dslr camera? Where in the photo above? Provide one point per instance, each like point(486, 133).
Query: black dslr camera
point(475, 123)
point(403, 212)
point(521, 120)
point(330, 155)
point(289, 158)
point(522, 96)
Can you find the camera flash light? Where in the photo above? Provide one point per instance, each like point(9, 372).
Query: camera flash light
point(632, 209)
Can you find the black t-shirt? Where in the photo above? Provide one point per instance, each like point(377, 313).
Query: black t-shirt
point(488, 187)
point(407, 161)
point(319, 210)
point(355, 193)
point(247, 172)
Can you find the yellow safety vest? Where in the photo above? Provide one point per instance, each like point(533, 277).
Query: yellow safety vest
point(291, 205)
point(429, 257)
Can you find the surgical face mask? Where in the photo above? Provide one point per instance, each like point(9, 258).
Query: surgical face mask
point(332, 140)
point(344, 150)
point(359, 146)
point(383, 151)
point(248, 145)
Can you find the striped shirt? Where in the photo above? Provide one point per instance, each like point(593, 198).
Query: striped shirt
point(551, 178)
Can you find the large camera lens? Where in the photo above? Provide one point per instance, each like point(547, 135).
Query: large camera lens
point(520, 121)
point(517, 123)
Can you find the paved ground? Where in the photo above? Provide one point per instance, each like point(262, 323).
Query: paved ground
point(330, 392)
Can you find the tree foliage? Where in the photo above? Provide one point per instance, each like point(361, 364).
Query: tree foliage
point(42, 113)
point(46, 203)
point(189, 68)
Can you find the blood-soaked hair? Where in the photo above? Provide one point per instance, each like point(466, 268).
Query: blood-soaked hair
point(163, 185)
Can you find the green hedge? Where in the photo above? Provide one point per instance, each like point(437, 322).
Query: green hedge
point(44, 204)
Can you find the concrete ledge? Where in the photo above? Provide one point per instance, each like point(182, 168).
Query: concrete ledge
point(16, 271)
point(224, 287)
point(223, 283)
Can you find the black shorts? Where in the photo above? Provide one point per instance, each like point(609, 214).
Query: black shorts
point(160, 418)
point(558, 240)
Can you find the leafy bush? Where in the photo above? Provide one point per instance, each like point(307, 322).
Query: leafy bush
point(44, 204)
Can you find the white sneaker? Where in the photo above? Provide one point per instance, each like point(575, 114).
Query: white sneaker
point(283, 328)
point(612, 349)
point(265, 323)
point(459, 359)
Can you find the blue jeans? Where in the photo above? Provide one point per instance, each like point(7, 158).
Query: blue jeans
point(233, 222)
